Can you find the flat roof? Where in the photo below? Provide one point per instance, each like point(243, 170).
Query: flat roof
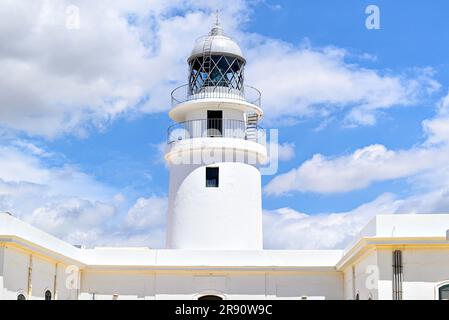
point(404, 226)
point(18, 232)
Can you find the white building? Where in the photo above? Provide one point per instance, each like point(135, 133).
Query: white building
point(214, 233)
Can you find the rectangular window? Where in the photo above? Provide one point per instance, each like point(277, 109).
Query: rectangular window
point(211, 177)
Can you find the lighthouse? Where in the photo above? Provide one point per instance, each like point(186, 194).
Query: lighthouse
point(214, 151)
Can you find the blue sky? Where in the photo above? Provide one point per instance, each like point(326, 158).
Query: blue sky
point(86, 108)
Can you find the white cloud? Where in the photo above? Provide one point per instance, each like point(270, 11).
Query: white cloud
point(99, 219)
point(357, 170)
point(144, 224)
point(72, 205)
point(425, 166)
point(304, 81)
point(147, 213)
point(126, 57)
point(17, 166)
point(288, 229)
point(76, 220)
point(286, 151)
point(437, 129)
point(32, 148)
point(59, 77)
point(369, 164)
point(28, 186)
point(63, 80)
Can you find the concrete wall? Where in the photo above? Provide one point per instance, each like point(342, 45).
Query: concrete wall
point(191, 285)
point(206, 218)
point(104, 284)
point(43, 276)
point(424, 270)
point(16, 274)
point(327, 286)
point(361, 278)
point(129, 285)
point(2, 250)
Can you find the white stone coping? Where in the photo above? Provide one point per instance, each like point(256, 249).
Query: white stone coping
point(178, 113)
point(404, 226)
point(205, 145)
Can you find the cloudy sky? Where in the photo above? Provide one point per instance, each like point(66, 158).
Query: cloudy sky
point(363, 115)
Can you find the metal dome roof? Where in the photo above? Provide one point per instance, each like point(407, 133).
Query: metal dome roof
point(218, 44)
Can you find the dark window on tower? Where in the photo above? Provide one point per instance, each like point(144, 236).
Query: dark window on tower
point(211, 177)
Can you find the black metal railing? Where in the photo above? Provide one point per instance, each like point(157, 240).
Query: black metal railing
point(213, 128)
point(184, 93)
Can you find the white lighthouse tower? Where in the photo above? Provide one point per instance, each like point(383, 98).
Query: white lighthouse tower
point(213, 152)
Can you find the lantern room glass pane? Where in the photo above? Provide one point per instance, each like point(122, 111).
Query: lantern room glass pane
point(216, 71)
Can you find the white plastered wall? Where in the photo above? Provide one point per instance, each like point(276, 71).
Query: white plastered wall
point(229, 285)
point(327, 286)
point(100, 285)
point(227, 217)
point(365, 282)
point(424, 269)
point(15, 276)
point(2, 250)
point(15, 271)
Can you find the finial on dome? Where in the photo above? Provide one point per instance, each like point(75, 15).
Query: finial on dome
point(217, 29)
